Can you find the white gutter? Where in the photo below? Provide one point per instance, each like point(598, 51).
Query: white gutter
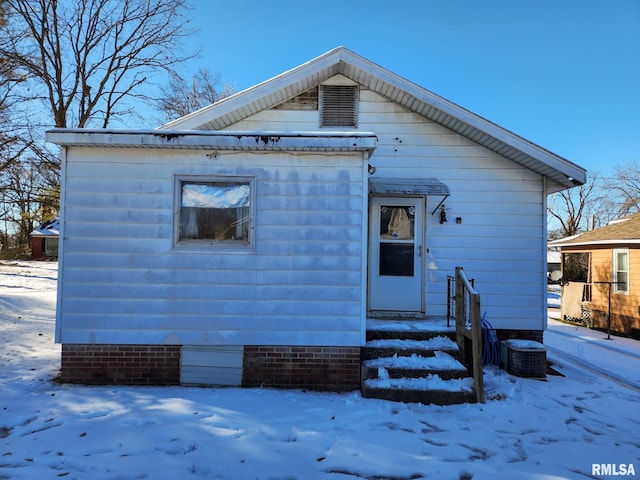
point(625, 241)
point(227, 140)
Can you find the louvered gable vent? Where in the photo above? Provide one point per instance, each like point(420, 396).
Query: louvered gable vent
point(339, 106)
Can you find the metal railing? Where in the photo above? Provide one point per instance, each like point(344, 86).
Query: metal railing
point(451, 297)
point(469, 326)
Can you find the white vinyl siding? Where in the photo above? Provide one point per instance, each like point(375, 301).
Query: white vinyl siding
point(501, 239)
point(125, 282)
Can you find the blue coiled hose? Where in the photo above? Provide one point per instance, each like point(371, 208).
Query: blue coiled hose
point(490, 343)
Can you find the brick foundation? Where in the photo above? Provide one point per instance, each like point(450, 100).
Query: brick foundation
point(315, 368)
point(120, 364)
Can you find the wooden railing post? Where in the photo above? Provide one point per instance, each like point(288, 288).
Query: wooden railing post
point(476, 346)
point(460, 312)
point(464, 289)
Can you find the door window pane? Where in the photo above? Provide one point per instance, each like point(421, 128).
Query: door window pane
point(397, 223)
point(396, 259)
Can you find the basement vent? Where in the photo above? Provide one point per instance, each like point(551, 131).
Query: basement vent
point(339, 106)
point(211, 365)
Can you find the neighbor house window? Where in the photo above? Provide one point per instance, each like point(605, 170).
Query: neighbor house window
point(621, 270)
point(214, 211)
point(51, 246)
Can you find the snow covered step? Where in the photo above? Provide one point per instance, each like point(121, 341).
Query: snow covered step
point(440, 360)
point(441, 364)
point(436, 343)
point(425, 348)
point(408, 329)
point(431, 389)
point(414, 361)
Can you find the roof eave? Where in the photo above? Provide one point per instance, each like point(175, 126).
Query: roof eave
point(302, 77)
point(177, 139)
point(621, 241)
point(560, 172)
point(468, 124)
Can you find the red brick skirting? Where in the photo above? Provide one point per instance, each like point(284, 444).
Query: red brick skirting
point(121, 364)
point(315, 368)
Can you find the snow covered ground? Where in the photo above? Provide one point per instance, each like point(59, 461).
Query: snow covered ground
point(528, 429)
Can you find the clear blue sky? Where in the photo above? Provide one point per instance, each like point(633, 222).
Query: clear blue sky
point(564, 74)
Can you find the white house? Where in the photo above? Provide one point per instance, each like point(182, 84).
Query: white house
point(260, 233)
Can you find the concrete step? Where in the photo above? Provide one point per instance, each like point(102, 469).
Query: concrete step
point(381, 348)
point(414, 361)
point(441, 363)
point(441, 392)
point(408, 329)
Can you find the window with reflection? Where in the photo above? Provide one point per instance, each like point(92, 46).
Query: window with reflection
point(214, 211)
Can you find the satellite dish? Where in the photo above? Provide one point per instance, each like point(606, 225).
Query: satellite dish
point(556, 275)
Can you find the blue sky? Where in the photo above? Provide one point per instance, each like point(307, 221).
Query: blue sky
point(564, 74)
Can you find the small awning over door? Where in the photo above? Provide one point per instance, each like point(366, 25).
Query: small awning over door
point(409, 186)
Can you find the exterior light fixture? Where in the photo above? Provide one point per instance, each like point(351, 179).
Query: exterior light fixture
point(443, 214)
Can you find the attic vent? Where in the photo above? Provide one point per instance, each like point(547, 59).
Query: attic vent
point(305, 101)
point(339, 106)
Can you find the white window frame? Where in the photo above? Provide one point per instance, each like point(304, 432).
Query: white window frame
point(231, 245)
point(616, 268)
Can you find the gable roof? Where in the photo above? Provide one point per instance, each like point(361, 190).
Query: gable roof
point(622, 231)
point(560, 172)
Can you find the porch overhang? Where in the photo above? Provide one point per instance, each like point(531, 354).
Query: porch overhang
point(410, 186)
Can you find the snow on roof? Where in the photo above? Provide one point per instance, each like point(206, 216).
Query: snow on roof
point(227, 140)
point(48, 229)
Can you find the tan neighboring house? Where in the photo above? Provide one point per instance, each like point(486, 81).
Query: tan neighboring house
point(602, 276)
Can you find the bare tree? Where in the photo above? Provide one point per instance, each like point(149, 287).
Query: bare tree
point(181, 96)
point(625, 185)
point(86, 58)
point(9, 148)
point(575, 208)
point(74, 64)
point(22, 195)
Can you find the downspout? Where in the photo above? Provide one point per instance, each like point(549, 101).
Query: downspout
point(60, 285)
point(364, 277)
point(545, 266)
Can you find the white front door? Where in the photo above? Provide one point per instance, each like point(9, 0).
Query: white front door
point(395, 259)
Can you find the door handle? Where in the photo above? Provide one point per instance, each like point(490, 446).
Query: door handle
point(419, 250)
